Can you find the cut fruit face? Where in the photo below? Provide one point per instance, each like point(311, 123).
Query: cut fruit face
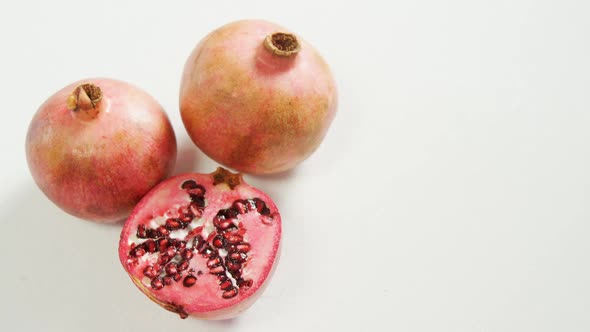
point(202, 244)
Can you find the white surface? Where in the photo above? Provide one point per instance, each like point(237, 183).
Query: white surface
point(451, 194)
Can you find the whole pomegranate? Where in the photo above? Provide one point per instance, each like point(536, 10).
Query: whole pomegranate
point(203, 245)
point(256, 98)
point(97, 146)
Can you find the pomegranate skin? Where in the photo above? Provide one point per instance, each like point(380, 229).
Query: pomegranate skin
point(205, 298)
point(97, 166)
point(251, 108)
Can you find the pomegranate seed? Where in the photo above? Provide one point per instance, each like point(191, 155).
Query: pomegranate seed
point(243, 247)
point(180, 245)
point(185, 214)
point(170, 252)
point(150, 272)
point(217, 220)
point(189, 281)
point(218, 242)
point(225, 224)
point(163, 244)
point(213, 262)
point(141, 231)
point(198, 200)
point(167, 280)
point(240, 206)
point(260, 205)
point(186, 254)
point(228, 294)
point(198, 190)
point(233, 266)
point(245, 283)
point(193, 188)
point(231, 213)
point(177, 276)
point(233, 238)
point(158, 268)
point(163, 259)
point(157, 283)
point(265, 211)
point(211, 236)
point(210, 253)
point(151, 233)
point(189, 184)
point(199, 243)
point(173, 224)
point(182, 265)
point(226, 285)
point(194, 233)
point(204, 250)
point(217, 270)
point(171, 269)
point(162, 231)
point(138, 251)
point(238, 257)
point(150, 245)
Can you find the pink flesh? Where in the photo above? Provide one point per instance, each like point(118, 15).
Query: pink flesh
point(204, 299)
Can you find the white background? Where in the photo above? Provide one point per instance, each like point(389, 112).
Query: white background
point(452, 192)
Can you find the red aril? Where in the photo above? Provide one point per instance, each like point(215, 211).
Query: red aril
point(257, 98)
point(97, 146)
point(219, 249)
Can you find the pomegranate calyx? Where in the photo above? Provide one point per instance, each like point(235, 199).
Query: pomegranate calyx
point(85, 96)
point(222, 175)
point(282, 44)
point(84, 101)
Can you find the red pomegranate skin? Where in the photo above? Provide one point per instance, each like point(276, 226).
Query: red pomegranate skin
point(97, 168)
point(251, 109)
point(204, 300)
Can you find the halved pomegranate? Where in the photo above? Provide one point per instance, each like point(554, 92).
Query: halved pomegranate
point(202, 245)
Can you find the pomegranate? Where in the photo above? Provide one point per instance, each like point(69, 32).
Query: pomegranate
point(203, 245)
point(97, 146)
point(256, 98)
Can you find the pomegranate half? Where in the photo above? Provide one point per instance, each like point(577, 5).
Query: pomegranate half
point(202, 245)
point(97, 146)
point(257, 98)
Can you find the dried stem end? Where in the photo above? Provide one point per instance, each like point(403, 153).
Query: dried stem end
point(84, 96)
point(282, 44)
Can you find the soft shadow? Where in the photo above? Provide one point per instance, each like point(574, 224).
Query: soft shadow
point(286, 175)
point(188, 157)
point(47, 240)
point(222, 324)
point(54, 250)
